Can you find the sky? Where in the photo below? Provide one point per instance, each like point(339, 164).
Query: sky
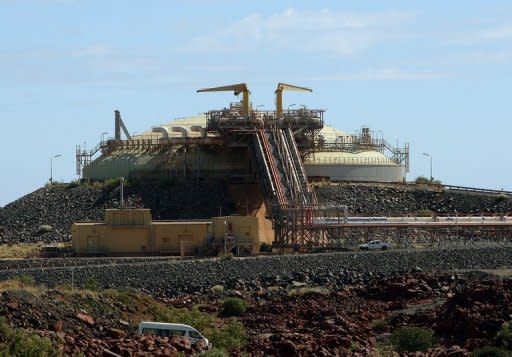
point(434, 74)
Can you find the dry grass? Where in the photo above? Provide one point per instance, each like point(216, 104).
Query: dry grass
point(503, 272)
point(19, 284)
point(304, 290)
point(19, 251)
point(25, 250)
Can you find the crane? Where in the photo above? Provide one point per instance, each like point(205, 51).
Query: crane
point(237, 88)
point(279, 95)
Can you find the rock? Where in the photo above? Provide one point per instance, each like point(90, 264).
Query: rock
point(116, 333)
point(58, 326)
point(85, 318)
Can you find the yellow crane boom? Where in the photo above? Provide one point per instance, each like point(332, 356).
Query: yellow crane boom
point(237, 89)
point(279, 95)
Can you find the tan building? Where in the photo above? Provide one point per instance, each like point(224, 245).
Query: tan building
point(132, 232)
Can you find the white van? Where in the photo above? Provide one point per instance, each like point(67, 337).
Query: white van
point(169, 329)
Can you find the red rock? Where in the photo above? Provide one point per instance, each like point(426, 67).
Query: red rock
point(58, 325)
point(116, 333)
point(69, 339)
point(85, 318)
point(181, 344)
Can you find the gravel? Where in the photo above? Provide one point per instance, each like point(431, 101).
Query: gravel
point(171, 277)
point(398, 200)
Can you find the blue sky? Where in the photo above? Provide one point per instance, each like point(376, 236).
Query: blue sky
point(435, 74)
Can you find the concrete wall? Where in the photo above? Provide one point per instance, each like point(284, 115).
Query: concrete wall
point(131, 232)
point(384, 173)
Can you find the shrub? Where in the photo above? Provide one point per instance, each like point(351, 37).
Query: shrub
point(27, 280)
point(233, 307)
point(19, 343)
point(217, 289)
point(192, 317)
point(424, 213)
point(412, 338)
point(214, 352)
point(490, 352)
point(379, 325)
point(92, 284)
point(227, 256)
point(72, 184)
point(504, 337)
point(230, 336)
point(266, 248)
point(44, 228)
point(421, 180)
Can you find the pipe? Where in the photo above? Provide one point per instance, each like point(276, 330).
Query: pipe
point(161, 129)
point(199, 128)
point(180, 129)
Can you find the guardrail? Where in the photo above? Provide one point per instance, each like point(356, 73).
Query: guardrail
point(432, 185)
point(349, 160)
point(475, 189)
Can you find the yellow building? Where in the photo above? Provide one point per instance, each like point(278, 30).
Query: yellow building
point(132, 232)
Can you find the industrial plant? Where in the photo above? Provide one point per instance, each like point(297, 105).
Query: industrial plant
point(270, 158)
point(279, 151)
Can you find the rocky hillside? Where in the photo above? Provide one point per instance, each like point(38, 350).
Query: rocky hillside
point(48, 213)
point(463, 311)
point(407, 200)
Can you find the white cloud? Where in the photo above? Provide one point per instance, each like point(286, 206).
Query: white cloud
point(97, 50)
point(488, 35)
point(383, 74)
point(337, 33)
point(495, 34)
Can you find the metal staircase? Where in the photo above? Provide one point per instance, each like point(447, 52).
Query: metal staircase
point(280, 165)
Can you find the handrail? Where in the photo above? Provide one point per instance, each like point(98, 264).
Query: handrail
point(478, 190)
point(265, 163)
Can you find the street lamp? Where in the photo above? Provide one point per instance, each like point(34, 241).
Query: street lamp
point(291, 105)
point(430, 156)
point(51, 167)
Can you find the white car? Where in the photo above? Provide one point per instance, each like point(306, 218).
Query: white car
point(170, 329)
point(375, 245)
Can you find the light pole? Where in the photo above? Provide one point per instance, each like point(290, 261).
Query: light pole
point(51, 167)
point(291, 105)
point(430, 156)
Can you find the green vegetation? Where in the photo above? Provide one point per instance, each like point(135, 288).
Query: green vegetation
point(354, 346)
point(424, 213)
point(265, 248)
point(225, 257)
point(412, 338)
point(422, 180)
point(120, 304)
point(72, 184)
point(26, 280)
point(217, 289)
point(504, 337)
point(491, 352)
point(44, 228)
point(233, 307)
point(379, 325)
point(232, 335)
point(229, 336)
point(92, 284)
point(23, 344)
